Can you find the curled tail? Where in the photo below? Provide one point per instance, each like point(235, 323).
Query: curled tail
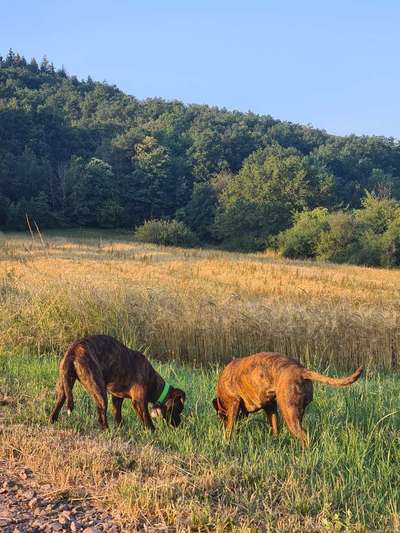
point(337, 382)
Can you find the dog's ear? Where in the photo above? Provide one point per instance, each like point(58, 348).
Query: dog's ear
point(215, 404)
point(179, 394)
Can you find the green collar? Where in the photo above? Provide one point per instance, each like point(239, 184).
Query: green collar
point(163, 394)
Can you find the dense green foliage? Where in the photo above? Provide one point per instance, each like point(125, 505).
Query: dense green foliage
point(366, 236)
point(166, 232)
point(83, 153)
point(301, 240)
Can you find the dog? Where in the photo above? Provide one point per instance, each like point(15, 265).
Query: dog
point(102, 364)
point(267, 381)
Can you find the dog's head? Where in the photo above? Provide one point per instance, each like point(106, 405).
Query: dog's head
point(219, 408)
point(172, 408)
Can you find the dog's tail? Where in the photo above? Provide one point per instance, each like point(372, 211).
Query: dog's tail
point(68, 377)
point(337, 382)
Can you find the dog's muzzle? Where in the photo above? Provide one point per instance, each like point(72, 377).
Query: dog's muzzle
point(155, 412)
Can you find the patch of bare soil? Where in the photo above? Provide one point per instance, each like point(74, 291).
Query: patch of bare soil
point(27, 505)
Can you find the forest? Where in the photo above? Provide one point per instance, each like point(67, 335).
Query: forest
point(83, 153)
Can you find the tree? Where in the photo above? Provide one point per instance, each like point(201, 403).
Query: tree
point(199, 212)
point(377, 213)
point(154, 184)
point(262, 198)
point(91, 186)
point(232, 176)
point(4, 206)
point(109, 214)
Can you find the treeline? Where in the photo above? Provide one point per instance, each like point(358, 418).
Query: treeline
point(82, 153)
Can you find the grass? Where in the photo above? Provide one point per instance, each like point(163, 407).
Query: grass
point(191, 310)
point(191, 478)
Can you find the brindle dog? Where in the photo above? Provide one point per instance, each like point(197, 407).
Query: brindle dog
point(267, 381)
point(102, 364)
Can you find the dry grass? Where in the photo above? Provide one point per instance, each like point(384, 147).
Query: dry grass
point(196, 305)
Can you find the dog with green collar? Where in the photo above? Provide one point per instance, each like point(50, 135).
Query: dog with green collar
point(104, 365)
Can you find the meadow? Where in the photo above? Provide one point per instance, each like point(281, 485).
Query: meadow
point(194, 305)
point(190, 311)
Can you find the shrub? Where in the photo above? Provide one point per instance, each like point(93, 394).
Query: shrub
point(301, 240)
point(391, 242)
point(339, 242)
point(377, 214)
point(369, 250)
point(166, 232)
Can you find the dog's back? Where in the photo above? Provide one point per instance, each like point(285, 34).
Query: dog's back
point(256, 378)
point(118, 364)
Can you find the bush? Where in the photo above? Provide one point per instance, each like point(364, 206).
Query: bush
point(339, 242)
point(166, 232)
point(369, 250)
point(301, 240)
point(391, 242)
point(376, 213)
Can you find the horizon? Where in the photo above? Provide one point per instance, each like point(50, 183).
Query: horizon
point(331, 67)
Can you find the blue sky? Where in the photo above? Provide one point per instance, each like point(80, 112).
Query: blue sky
point(333, 64)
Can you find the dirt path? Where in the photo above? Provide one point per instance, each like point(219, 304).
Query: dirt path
point(26, 505)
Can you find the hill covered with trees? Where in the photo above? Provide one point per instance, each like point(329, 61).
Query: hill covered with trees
point(82, 153)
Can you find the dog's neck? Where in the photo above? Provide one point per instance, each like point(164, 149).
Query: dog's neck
point(157, 388)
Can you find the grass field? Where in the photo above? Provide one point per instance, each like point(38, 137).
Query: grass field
point(191, 478)
point(194, 305)
point(191, 310)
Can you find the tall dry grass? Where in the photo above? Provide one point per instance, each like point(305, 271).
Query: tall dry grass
point(195, 305)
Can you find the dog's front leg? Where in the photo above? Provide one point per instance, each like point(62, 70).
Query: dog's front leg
point(142, 411)
point(140, 405)
point(231, 414)
point(293, 415)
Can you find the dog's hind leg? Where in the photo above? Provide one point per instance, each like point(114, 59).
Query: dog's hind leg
point(99, 394)
point(61, 397)
point(100, 397)
point(65, 384)
point(91, 378)
point(117, 406)
point(271, 411)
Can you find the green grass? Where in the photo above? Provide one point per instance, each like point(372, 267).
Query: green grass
point(349, 479)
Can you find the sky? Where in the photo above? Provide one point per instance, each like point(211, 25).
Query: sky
point(330, 63)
